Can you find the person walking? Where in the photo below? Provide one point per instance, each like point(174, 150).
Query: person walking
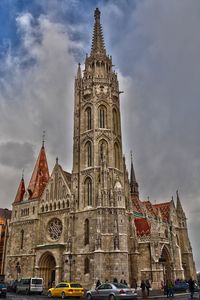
point(170, 289)
point(191, 287)
point(148, 286)
point(143, 288)
point(98, 283)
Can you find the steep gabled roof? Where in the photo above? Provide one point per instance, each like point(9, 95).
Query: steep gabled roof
point(20, 191)
point(40, 175)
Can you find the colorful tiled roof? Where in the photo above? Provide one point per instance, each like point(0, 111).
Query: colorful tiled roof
point(164, 210)
point(143, 227)
point(20, 191)
point(40, 176)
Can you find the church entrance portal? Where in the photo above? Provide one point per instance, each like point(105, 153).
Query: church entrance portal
point(166, 265)
point(47, 269)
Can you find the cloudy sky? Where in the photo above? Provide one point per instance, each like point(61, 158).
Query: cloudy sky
point(155, 45)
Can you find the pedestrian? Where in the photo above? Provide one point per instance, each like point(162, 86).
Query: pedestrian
point(98, 283)
point(143, 288)
point(170, 289)
point(134, 284)
point(191, 287)
point(148, 286)
point(125, 282)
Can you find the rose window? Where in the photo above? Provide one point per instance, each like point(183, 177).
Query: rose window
point(55, 229)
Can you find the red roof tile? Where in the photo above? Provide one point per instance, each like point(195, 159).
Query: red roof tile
point(143, 227)
point(20, 191)
point(40, 176)
point(164, 209)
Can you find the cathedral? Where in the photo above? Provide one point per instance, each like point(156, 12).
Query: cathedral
point(91, 223)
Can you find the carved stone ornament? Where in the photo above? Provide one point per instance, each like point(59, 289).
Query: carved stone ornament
point(54, 229)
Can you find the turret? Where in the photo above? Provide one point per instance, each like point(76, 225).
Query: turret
point(133, 183)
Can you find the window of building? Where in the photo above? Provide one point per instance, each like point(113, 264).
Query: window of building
point(116, 156)
point(22, 239)
point(88, 154)
point(88, 192)
point(115, 122)
point(87, 265)
point(87, 231)
point(103, 150)
point(102, 117)
point(88, 114)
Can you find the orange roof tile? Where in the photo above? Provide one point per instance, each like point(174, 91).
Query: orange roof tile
point(143, 227)
point(164, 209)
point(20, 191)
point(40, 176)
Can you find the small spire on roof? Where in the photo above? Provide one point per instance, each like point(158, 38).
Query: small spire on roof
point(57, 160)
point(79, 76)
point(133, 182)
point(43, 138)
point(20, 191)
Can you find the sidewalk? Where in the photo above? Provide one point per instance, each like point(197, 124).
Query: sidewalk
point(158, 294)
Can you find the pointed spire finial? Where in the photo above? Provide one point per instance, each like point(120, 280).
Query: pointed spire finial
point(97, 39)
point(57, 160)
point(133, 182)
point(23, 173)
point(79, 71)
point(43, 138)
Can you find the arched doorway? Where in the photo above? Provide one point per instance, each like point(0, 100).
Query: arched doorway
point(47, 269)
point(165, 260)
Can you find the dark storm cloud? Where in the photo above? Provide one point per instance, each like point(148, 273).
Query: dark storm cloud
point(16, 155)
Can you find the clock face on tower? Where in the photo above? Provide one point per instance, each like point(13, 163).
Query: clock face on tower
point(54, 228)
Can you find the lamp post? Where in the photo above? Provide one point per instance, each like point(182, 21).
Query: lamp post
point(70, 260)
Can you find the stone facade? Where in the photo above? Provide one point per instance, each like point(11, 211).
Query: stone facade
point(91, 224)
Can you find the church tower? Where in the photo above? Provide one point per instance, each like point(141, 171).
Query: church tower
point(100, 240)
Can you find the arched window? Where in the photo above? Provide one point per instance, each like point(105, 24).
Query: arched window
point(87, 232)
point(42, 208)
point(115, 122)
point(88, 154)
point(87, 265)
point(54, 206)
point(22, 239)
point(68, 203)
point(102, 117)
point(116, 156)
point(103, 150)
point(88, 114)
point(50, 207)
point(59, 205)
point(88, 192)
point(46, 207)
point(63, 204)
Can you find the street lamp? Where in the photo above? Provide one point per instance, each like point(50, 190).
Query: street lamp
point(70, 261)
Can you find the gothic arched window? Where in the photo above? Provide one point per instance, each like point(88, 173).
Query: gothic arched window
point(87, 232)
point(115, 122)
point(22, 239)
point(88, 192)
point(88, 114)
point(87, 265)
point(116, 156)
point(103, 150)
point(102, 116)
point(88, 154)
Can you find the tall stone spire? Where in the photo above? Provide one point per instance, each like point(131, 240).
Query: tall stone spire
point(20, 191)
point(97, 40)
point(133, 182)
point(40, 175)
point(179, 207)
